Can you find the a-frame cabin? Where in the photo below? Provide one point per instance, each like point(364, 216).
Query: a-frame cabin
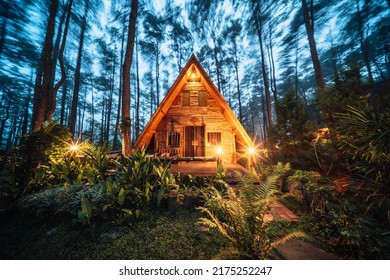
point(194, 121)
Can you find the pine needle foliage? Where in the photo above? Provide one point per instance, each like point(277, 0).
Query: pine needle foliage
point(240, 216)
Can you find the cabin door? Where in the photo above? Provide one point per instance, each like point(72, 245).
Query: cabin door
point(194, 141)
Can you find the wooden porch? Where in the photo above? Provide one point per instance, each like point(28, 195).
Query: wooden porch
point(206, 168)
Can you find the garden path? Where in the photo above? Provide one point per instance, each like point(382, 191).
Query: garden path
point(295, 249)
point(210, 169)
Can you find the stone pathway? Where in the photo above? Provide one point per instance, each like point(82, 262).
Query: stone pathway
point(278, 210)
point(210, 169)
point(299, 249)
point(295, 249)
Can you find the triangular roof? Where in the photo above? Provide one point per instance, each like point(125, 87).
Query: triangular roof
point(166, 103)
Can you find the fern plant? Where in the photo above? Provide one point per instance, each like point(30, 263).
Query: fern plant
point(367, 140)
point(240, 217)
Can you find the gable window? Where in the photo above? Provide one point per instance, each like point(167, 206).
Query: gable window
point(214, 138)
point(202, 99)
point(185, 98)
point(174, 138)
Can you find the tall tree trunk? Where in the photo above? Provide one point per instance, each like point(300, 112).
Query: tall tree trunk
point(76, 89)
point(102, 122)
point(110, 99)
point(138, 91)
point(56, 47)
point(18, 131)
point(265, 124)
point(296, 80)
point(118, 113)
point(53, 102)
point(81, 126)
point(12, 132)
point(309, 25)
point(215, 52)
point(235, 62)
point(157, 76)
point(364, 44)
point(151, 96)
point(259, 28)
point(63, 103)
point(3, 121)
point(25, 115)
point(3, 32)
point(44, 89)
point(126, 121)
point(92, 116)
point(273, 71)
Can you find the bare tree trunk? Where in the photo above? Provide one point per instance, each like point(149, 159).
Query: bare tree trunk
point(110, 99)
point(364, 44)
point(52, 107)
point(151, 96)
point(235, 62)
point(259, 29)
point(56, 47)
point(309, 24)
point(3, 121)
point(118, 113)
point(3, 32)
point(44, 89)
point(63, 103)
point(296, 65)
point(76, 89)
point(138, 92)
point(92, 117)
point(273, 71)
point(126, 120)
point(157, 76)
point(215, 52)
point(12, 132)
point(25, 115)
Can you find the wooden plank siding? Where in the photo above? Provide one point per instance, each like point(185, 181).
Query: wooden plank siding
point(194, 102)
point(210, 116)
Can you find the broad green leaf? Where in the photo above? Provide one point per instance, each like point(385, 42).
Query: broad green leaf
point(121, 197)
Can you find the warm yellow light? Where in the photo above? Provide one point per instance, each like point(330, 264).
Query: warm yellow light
point(74, 148)
point(251, 150)
point(219, 151)
point(193, 75)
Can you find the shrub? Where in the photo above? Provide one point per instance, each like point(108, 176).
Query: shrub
point(367, 141)
point(240, 217)
point(59, 203)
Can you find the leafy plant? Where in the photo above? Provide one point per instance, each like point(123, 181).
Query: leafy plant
point(98, 158)
point(240, 218)
point(164, 181)
point(367, 141)
point(21, 169)
point(311, 188)
point(85, 213)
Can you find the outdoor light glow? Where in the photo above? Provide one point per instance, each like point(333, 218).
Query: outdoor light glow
point(251, 150)
point(219, 150)
point(74, 148)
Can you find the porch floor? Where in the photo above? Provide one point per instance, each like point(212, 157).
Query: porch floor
point(206, 168)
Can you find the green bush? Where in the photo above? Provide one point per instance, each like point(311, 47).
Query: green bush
point(59, 203)
point(240, 217)
point(367, 142)
point(21, 170)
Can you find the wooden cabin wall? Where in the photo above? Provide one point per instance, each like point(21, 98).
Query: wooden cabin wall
point(211, 116)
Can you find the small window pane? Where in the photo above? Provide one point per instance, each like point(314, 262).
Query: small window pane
point(202, 101)
point(185, 98)
point(174, 138)
point(214, 138)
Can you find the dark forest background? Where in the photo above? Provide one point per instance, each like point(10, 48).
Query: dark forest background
point(283, 66)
